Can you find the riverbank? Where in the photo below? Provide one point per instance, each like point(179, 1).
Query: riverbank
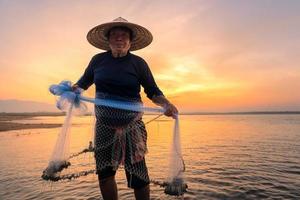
point(7, 121)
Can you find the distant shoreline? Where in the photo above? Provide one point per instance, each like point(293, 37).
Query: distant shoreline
point(10, 126)
point(244, 113)
point(7, 124)
point(39, 114)
point(16, 116)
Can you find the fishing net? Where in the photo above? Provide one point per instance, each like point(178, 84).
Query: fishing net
point(70, 103)
point(175, 183)
point(60, 154)
point(120, 139)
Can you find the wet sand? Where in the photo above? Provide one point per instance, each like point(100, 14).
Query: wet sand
point(7, 121)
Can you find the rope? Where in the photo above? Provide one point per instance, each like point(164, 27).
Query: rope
point(151, 120)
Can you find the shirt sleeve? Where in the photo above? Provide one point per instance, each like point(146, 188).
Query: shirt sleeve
point(87, 78)
point(148, 82)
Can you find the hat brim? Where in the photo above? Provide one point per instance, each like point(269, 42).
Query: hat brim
point(141, 36)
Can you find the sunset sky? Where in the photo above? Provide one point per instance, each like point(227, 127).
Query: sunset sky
point(213, 55)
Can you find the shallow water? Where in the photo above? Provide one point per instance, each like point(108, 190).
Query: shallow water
point(226, 157)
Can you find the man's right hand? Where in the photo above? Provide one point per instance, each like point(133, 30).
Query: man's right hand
point(75, 87)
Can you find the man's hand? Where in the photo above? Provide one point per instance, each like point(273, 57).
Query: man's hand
point(171, 110)
point(75, 87)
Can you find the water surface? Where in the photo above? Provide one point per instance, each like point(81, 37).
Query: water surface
point(226, 157)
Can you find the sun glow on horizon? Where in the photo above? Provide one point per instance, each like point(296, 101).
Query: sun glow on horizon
point(215, 57)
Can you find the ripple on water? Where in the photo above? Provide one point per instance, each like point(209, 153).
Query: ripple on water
point(226, 157)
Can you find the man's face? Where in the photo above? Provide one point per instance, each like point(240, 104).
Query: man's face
point(119, 40)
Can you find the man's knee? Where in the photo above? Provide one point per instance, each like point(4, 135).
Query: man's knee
point(106, 179)
point(106, 175)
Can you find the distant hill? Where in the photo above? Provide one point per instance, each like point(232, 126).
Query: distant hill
point(18, 106)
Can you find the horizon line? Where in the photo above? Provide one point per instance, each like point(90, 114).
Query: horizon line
point(45, 113)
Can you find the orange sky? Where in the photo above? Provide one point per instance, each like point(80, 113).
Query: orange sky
point(206, 55)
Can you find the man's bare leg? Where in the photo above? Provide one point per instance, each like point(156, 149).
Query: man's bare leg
point(108, 187)
point(142, 193)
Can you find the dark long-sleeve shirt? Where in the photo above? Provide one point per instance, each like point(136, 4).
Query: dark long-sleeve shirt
point(121, 76)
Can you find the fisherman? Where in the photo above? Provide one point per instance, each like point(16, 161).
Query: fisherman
point(118, 74)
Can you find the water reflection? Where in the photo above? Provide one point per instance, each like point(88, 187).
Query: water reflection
point(226, 157)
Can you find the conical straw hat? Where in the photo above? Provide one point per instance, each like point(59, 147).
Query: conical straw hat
point(141, 36)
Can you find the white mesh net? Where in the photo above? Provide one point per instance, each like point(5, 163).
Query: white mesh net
point(120, 139)
point(175, 184)
point(60, 154)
